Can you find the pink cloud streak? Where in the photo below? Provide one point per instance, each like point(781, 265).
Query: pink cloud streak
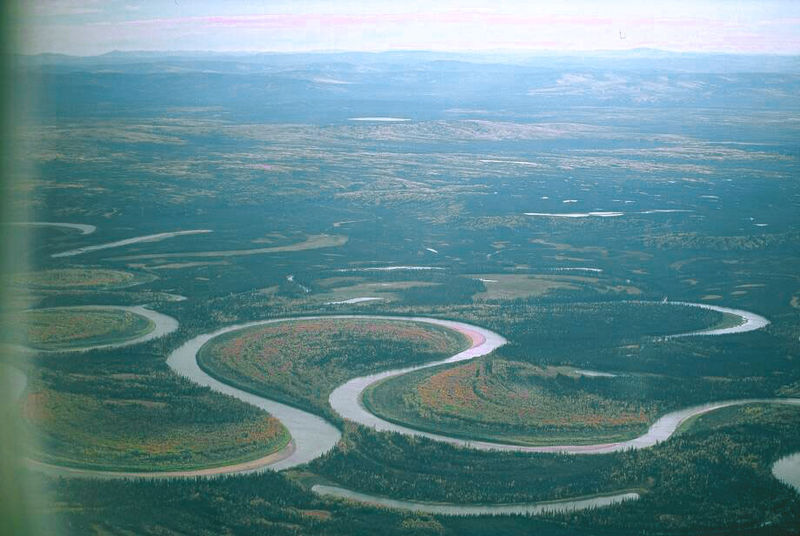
point(291, 20)
point(476, 28)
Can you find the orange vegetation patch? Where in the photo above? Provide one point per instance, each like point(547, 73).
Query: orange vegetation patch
point(318, 514)
point(519, 394)
point(35, 407)
point(303, 360)
point(262, 431)
point(145, 433)
point(283, 348)
point(75, 326)
point(450, 388)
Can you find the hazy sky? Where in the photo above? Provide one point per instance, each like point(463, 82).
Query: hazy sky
point(98, 26)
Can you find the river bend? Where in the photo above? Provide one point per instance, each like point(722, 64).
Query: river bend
point(313, 436)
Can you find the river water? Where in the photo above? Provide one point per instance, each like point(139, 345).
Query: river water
point(313, 436)
point(787, 470)
point(550, 507)
point(749, 321)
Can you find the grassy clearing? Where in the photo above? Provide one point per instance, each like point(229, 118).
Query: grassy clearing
point(69, 328)
point(514, 286)
point(508, 401)
point(79, 279)
point(388, 291)
point(181, 265)
point(301, 362)
point(311, 242)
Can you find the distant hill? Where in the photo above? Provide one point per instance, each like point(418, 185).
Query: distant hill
point(637, 59)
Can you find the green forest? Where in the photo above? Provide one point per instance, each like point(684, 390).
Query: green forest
point(617, 236)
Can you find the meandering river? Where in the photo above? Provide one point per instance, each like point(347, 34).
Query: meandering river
point(549, 507)
point(346, 399)
point(312, 436)
point(748, 321)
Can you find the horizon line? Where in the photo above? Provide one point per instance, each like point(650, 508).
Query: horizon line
point(475, 52)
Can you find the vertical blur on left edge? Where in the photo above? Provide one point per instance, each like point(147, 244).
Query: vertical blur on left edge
point(22, 498)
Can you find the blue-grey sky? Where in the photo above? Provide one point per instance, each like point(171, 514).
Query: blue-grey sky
point(88, 27)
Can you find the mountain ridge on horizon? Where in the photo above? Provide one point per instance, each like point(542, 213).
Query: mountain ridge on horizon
point(642, 59)
point(639, 51)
